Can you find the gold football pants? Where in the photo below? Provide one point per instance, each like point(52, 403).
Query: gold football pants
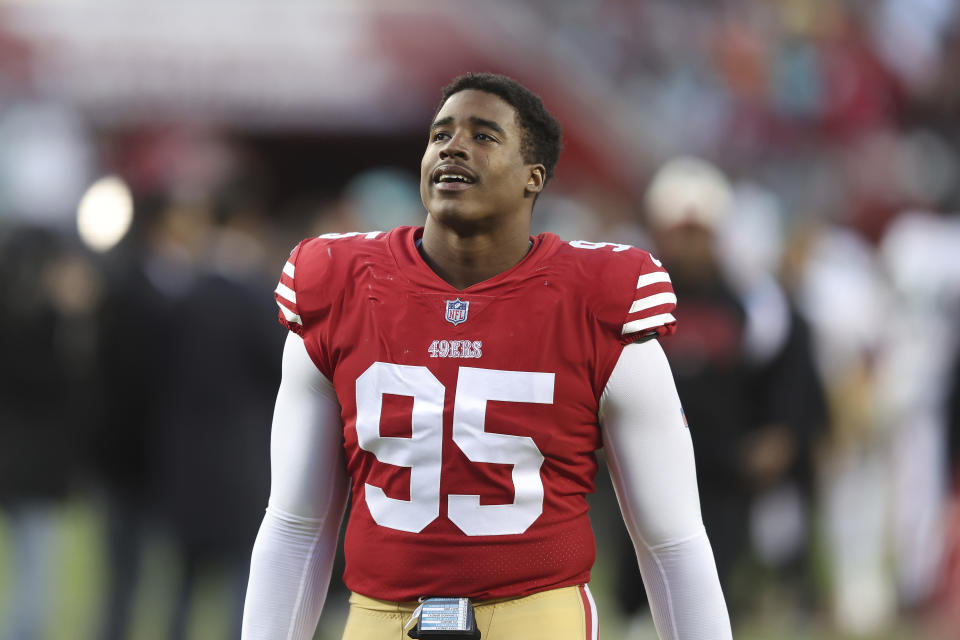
point(568, 613)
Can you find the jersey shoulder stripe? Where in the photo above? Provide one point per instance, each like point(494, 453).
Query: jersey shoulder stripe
point(637, 299)
point(310, 275)
point(653, 305)
point(285, 296)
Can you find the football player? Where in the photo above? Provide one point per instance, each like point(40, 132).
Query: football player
point(456, 380)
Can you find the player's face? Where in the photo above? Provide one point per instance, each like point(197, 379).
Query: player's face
point(473, 172)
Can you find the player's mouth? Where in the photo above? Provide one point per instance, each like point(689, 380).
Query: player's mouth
point(452, 177)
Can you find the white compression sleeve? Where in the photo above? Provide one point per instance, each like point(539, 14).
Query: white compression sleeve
point(294, 550)
point(650, 455)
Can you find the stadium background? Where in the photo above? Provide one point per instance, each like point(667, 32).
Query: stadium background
point(232, 130)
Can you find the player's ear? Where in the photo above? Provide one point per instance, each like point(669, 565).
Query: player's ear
point(535, 179)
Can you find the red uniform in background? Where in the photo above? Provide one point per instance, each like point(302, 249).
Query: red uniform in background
point(469, 417)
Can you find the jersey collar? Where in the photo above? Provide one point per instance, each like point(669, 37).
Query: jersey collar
point(403, 246)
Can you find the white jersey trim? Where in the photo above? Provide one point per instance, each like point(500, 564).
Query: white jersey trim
point(648, 323)
point(594, 629)
point(286, 293)
point(655, 300)
point(652, 278)
point(290, 315)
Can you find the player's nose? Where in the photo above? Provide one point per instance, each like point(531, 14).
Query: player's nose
point(454, 147)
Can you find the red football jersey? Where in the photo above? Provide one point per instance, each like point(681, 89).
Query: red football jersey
point(469, 417)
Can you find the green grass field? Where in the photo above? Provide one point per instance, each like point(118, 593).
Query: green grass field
point(79, 586)
point(77, 598)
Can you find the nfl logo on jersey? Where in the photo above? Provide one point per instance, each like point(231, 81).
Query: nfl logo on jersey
point(457, 311)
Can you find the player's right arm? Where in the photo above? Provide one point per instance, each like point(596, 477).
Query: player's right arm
point(650, 454)
point(294, 550)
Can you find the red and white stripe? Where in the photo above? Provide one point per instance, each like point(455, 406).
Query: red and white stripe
point(591, 623)
point(286, 297)
point(654, 302)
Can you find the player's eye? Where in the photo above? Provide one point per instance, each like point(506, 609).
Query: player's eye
point(484, 137)
point(440, 135)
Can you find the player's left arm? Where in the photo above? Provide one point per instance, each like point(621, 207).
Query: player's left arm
point(650, 455)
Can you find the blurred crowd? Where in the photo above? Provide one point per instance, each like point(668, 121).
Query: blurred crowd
point(801, 185)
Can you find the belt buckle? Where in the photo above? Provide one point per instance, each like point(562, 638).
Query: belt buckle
point(443, 619)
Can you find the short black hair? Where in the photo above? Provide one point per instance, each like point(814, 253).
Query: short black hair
point(540, 140)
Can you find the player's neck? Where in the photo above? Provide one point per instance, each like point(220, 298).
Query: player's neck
point(465, 260)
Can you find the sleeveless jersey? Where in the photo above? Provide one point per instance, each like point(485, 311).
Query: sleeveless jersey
point(469, 417)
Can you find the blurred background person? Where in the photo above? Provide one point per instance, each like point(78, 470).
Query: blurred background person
point(918, 253)
point(842, 295)
point(947, 594)
point(685, 205)
point(144, 276)
point(210, 472)
point(49, 292)
point(744, 372)
point(789, 402)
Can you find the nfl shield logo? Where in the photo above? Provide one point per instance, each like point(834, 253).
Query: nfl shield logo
point(457, 311)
